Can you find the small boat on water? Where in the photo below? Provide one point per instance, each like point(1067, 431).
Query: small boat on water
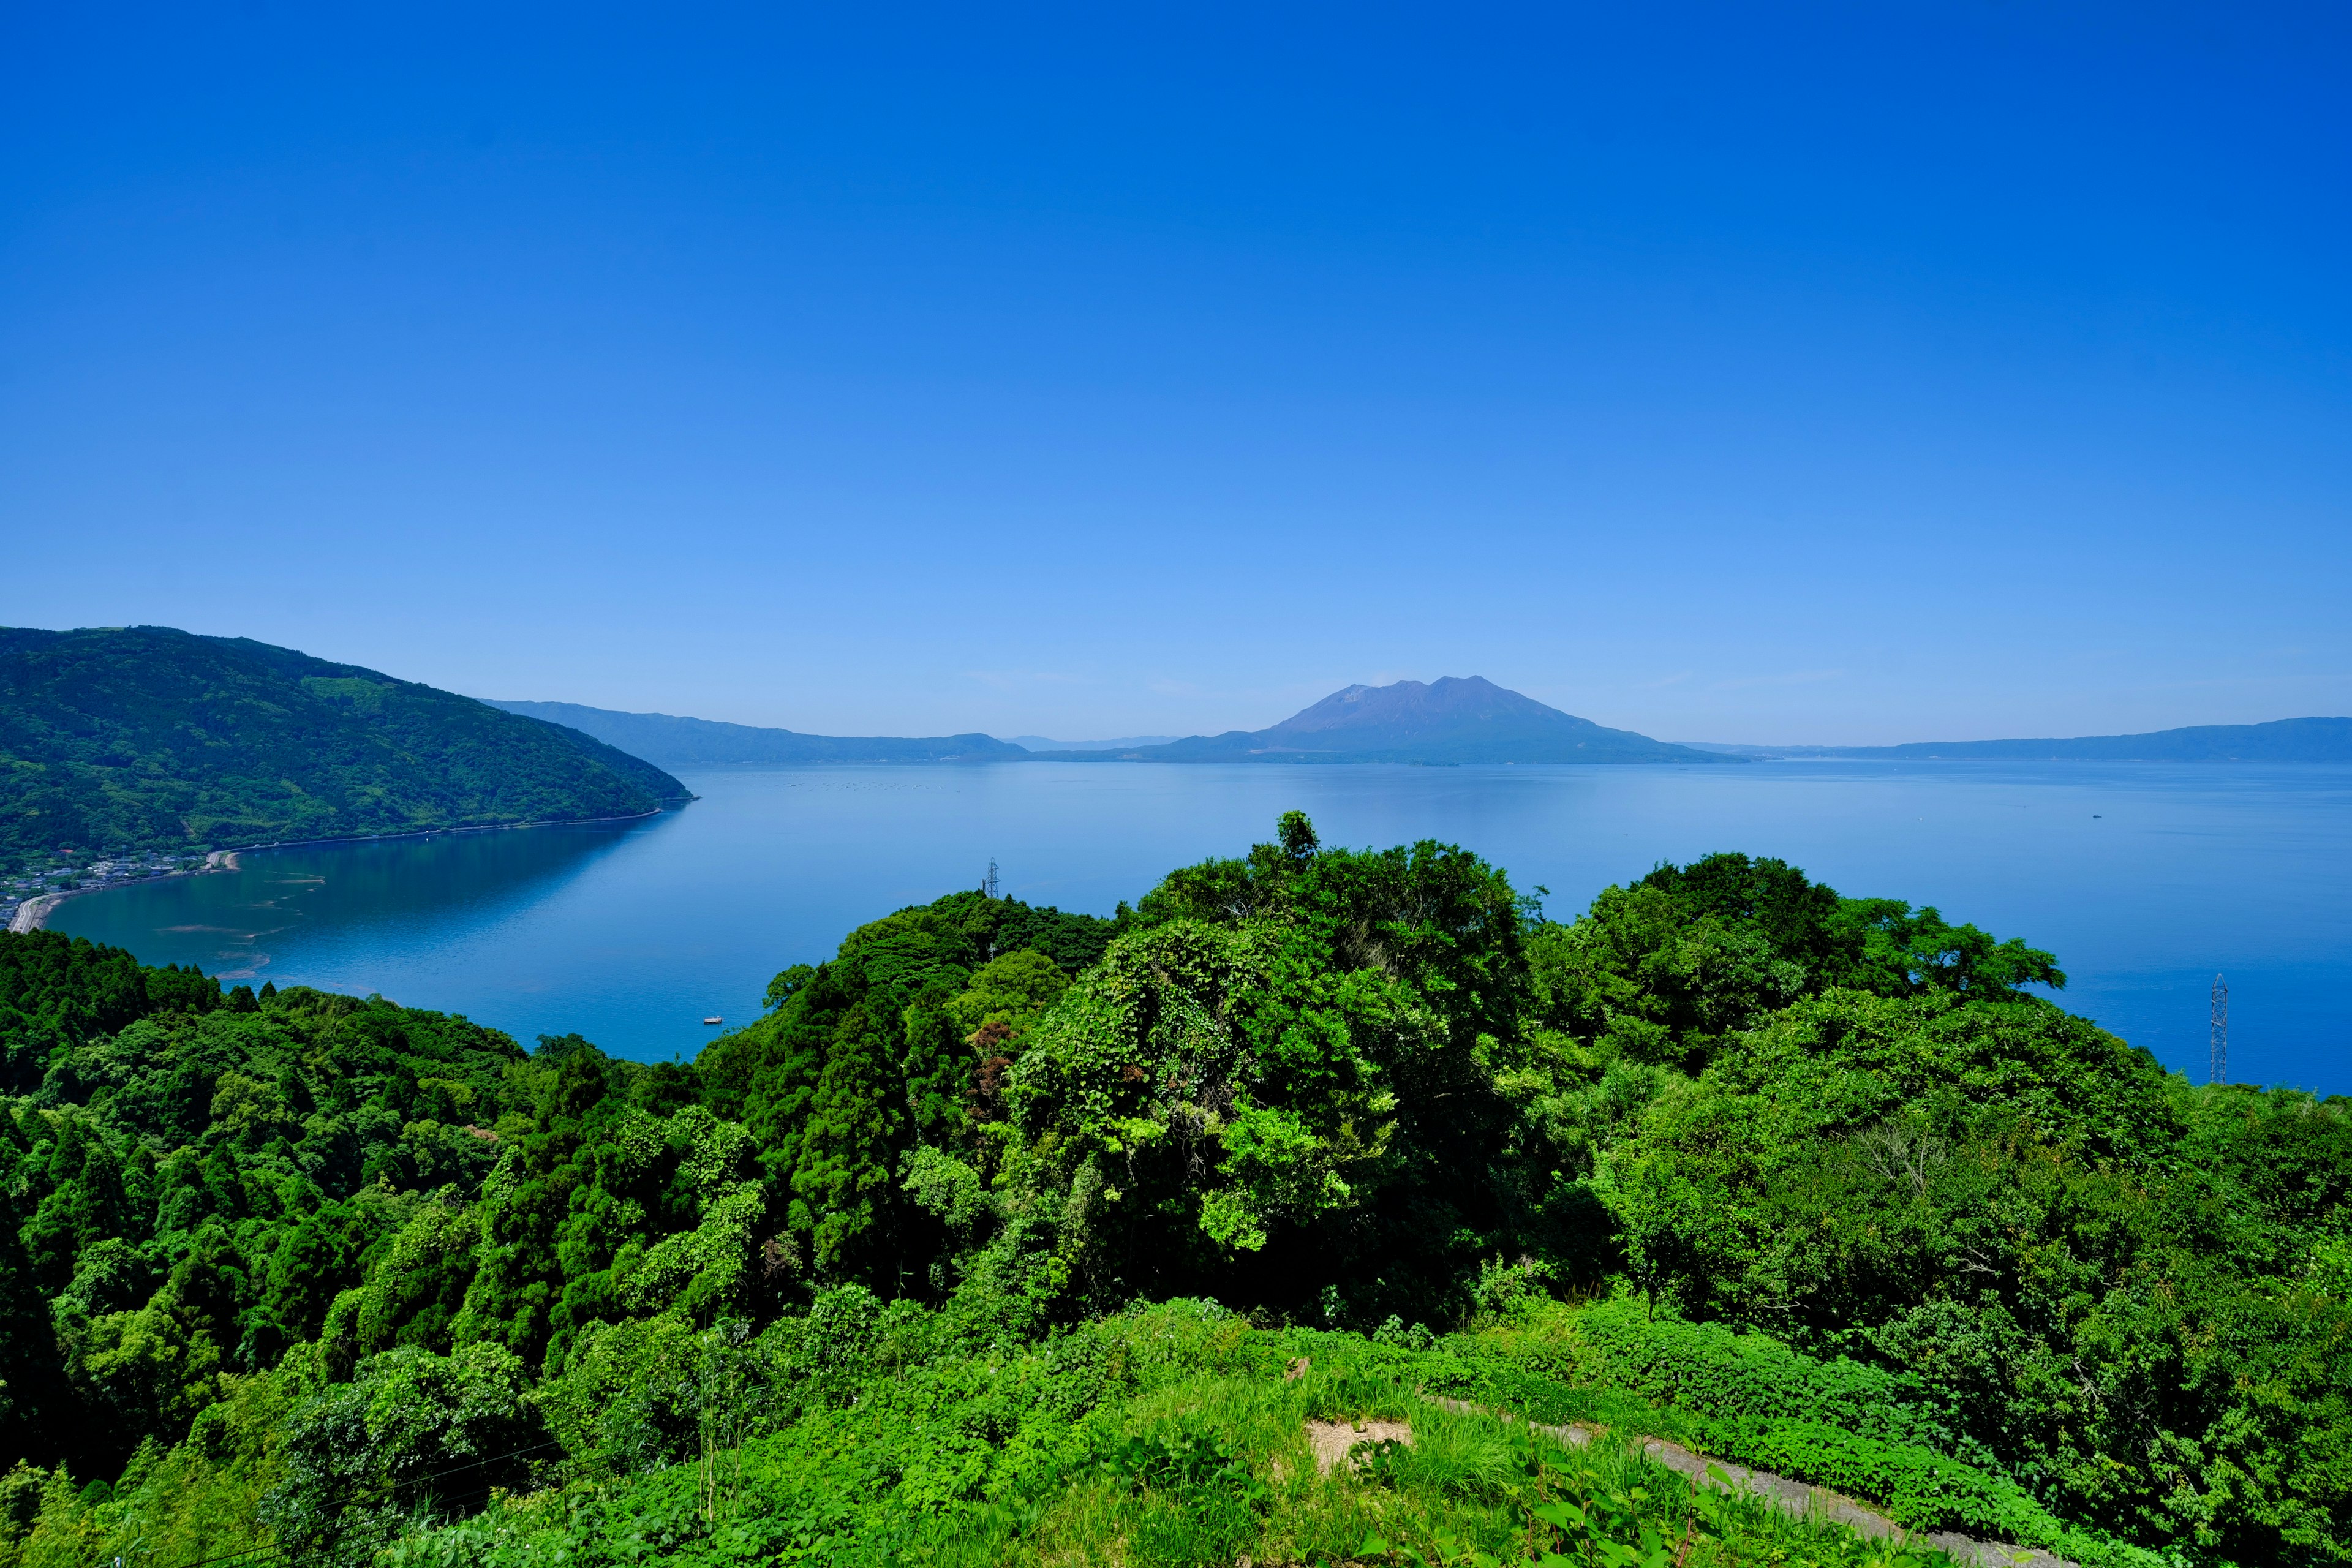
point(714, 1018)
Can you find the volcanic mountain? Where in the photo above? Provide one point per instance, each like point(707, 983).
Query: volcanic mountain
point(1449, 721)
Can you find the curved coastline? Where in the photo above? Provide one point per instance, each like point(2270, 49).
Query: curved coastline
point(33, 914)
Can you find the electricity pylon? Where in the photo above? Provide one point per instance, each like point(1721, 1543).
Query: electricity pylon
point(2221, 1065)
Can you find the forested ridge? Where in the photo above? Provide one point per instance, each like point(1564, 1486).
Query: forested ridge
point(142, 738)
point(1007, 1234)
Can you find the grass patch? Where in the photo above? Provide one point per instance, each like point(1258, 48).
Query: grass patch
point(1188, 1446)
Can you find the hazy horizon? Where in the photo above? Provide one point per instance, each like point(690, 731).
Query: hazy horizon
point(1140, 739)
point(1822, 376)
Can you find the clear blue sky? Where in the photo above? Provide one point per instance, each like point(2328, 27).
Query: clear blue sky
point(1881, 372)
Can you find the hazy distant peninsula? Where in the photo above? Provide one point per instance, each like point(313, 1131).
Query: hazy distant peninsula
point(144, 738)
point(1449, 721)
point(2280, 741)
point(1125, 742)
point(671, 740)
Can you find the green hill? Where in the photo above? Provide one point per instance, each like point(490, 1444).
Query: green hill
point(146, 738)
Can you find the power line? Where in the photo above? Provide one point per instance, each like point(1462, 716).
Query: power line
point(2219, 1066)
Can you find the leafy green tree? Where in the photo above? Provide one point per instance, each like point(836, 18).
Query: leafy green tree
point(845, 1188)
point(1296, 834)
point(1266, 1057)
point(1920, 951)
point(310, 1268)
point(412, 1434)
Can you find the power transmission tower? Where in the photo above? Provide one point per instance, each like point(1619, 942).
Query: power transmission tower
point(988, 884)
point(2220, 1066)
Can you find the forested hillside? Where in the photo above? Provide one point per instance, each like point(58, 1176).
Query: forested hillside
point(144, 738)
point(1009, 1235)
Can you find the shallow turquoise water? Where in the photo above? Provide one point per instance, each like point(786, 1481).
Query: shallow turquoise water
point(2144, 879)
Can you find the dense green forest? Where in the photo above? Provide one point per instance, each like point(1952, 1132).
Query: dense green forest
point(144, 738)
point(1007, 1234)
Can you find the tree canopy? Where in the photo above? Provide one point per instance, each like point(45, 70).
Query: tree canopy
point(358, 1259)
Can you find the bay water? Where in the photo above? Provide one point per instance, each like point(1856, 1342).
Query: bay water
point(2145, 879)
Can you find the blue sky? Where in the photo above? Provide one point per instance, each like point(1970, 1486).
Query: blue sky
point(1751, 373)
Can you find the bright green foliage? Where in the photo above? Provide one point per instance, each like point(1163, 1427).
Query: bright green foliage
point(418, 1286)
point(1837, 1191)
point(144, 738)
point(1665, 969)
point(191, 1179)
point(194, 1187)
point(1174, 1436)
point(1011, 989)
point(55, 993)
point(1716, 1372)
point(1858, 1429)
point(844, 1187)
point(886, 1051)
point(1279, 1087)
point(1167, 1127)
point(413, 1433)
point(1918, 1487)
point(2009, 1206)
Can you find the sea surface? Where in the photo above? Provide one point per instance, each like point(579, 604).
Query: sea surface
point(2146, 880)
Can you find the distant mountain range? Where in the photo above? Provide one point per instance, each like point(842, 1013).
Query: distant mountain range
point(1449, 721)
point(1455, 719)
point(145, 738)
point(664, 739)
point(1040, 744)
point(2281, 741)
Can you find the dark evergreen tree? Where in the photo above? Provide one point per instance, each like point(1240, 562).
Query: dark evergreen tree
point(845, 1185)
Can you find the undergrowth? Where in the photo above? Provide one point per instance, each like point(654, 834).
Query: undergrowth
point(1168, 1435)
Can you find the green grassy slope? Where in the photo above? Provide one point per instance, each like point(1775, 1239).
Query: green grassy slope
point(860, 1433)
point(146, 738)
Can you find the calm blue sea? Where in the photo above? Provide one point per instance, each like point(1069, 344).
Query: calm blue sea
point(2145, 879)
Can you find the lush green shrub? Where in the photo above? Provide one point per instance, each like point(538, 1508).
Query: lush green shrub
point(1916, 1487)
point(1750, 1378)
point(413, 1434)
point(1743, 1397)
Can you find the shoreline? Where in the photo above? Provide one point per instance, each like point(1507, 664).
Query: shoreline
point(33, 914)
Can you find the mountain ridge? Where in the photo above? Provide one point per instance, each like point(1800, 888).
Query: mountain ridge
point(149, 737)
point(671, 738)
point(2306, 740)
point(1046, 743)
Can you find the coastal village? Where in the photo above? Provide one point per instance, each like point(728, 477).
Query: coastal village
point(27, 897)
